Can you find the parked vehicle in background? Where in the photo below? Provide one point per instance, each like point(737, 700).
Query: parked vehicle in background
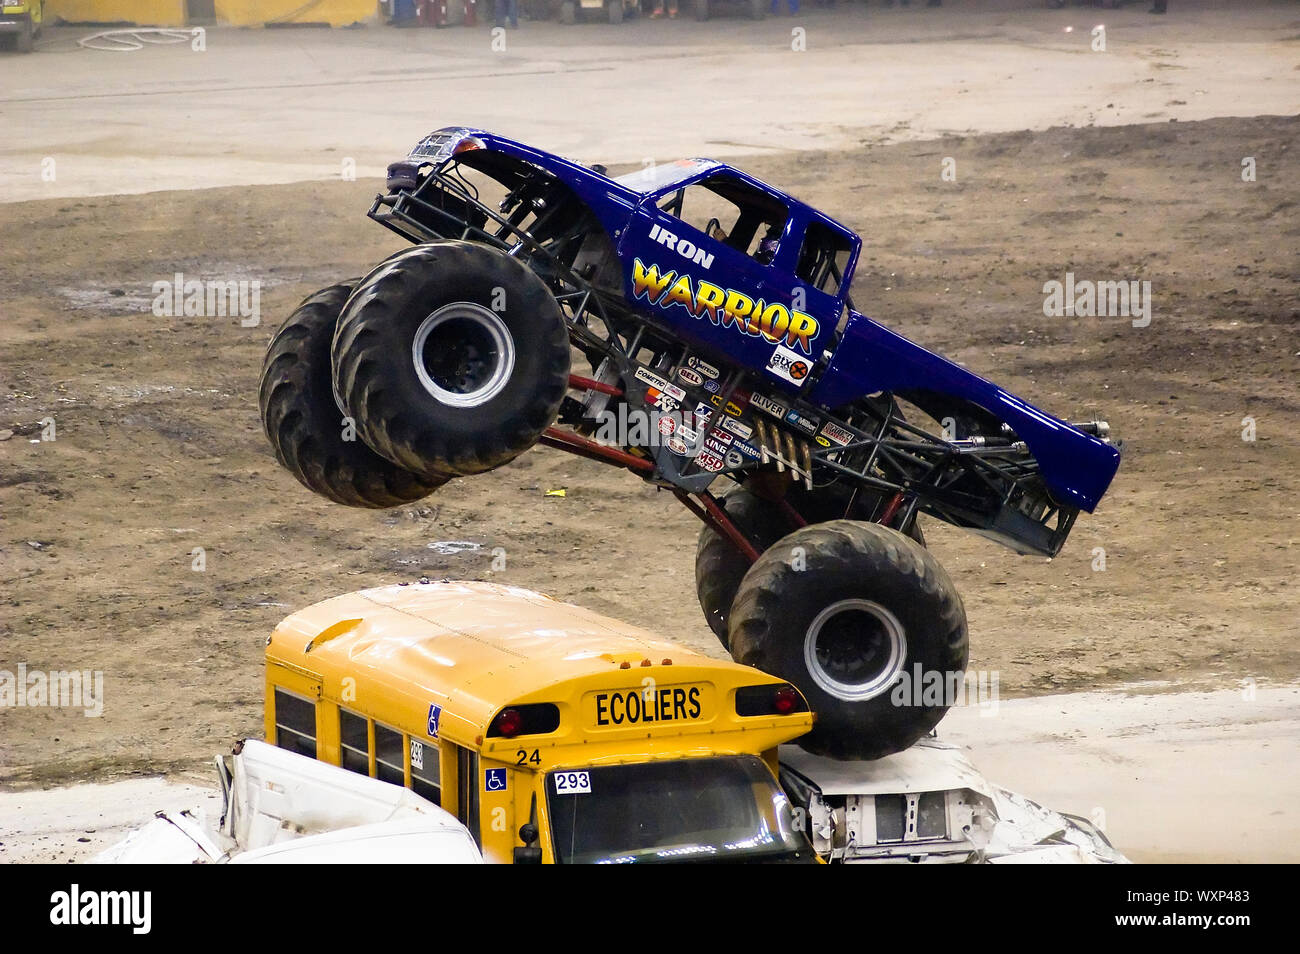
point(20, 23)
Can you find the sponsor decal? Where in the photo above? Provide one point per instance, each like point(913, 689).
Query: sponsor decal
point(718, 444)
point(690, 377)
point(710, 462)
point(666, 426)
point(676, 445)
point(789, 365)
point(659, 384)
point(703, 412)
point(836, 434)
point(726, 307)
point(743, 431)
point(702, 366)
point(802, 422)
point(688, 434)
point(823, 441)
point(734, 458)
point(769, 406)
point(733, 408)
point(660, 400)
point(711, 386)
point(748, 449)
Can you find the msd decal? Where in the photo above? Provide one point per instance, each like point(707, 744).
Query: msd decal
point(724, 306)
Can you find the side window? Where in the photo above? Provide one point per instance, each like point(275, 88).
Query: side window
point(823, 258)
point(425, 773)
point(730, 211)
point(388, 755)
point(354, 742)
point(295, 723)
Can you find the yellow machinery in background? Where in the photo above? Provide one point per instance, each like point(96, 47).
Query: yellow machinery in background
point(232, 12)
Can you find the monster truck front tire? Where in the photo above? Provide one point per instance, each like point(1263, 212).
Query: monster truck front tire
point(452, 357)
point(863, 620)
point(304, 424)
point(720, 566)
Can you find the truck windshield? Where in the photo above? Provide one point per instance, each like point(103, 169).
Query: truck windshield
point(704, 809)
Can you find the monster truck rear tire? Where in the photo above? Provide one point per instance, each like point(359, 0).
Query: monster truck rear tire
point(719, 566)
point(851, 613)
point(303, 421)
point(452, 357)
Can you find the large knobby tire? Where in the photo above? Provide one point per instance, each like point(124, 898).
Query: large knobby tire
point(720, 566)
point(303, 421)
point(862, 620)
point(452, 357)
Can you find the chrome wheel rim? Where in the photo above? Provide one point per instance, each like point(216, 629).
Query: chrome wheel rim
point(463, 354)
point(855, 649)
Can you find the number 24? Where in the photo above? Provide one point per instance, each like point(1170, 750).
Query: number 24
point(523, 757)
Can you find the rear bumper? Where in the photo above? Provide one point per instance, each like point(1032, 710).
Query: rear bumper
point(15, 22)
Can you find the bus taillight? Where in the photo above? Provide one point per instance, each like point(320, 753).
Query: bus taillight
point(509, 722)
point(771, 699)
point(784, 700)
point(536, 718)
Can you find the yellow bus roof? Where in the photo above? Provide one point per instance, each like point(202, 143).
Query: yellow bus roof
point(475, 648)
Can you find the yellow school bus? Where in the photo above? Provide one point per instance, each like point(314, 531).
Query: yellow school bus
point(553, 733)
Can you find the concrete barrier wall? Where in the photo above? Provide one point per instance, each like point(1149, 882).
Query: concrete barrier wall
point(233, 12)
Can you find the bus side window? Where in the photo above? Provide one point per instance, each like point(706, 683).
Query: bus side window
point(467, 788)
point(389, 761)
point(425, 773)
point(354, 742)
point(295, 723)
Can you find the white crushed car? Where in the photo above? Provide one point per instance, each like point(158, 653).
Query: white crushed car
point(928, 803)
point(284, 808)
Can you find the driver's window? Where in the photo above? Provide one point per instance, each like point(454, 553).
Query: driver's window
point(732, 212)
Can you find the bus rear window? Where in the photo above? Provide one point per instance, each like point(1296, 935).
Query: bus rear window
point(704, 809)
point(295, 723)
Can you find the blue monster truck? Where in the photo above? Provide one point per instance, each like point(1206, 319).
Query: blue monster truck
point(723, 345)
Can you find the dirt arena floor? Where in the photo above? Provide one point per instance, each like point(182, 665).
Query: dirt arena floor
point(159, 448)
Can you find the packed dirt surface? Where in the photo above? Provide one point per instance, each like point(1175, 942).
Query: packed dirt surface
point(159, 449)
point(267, 106)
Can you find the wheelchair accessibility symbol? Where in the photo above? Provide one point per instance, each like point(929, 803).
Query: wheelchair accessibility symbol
point(435, 714)
point(496, 780)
